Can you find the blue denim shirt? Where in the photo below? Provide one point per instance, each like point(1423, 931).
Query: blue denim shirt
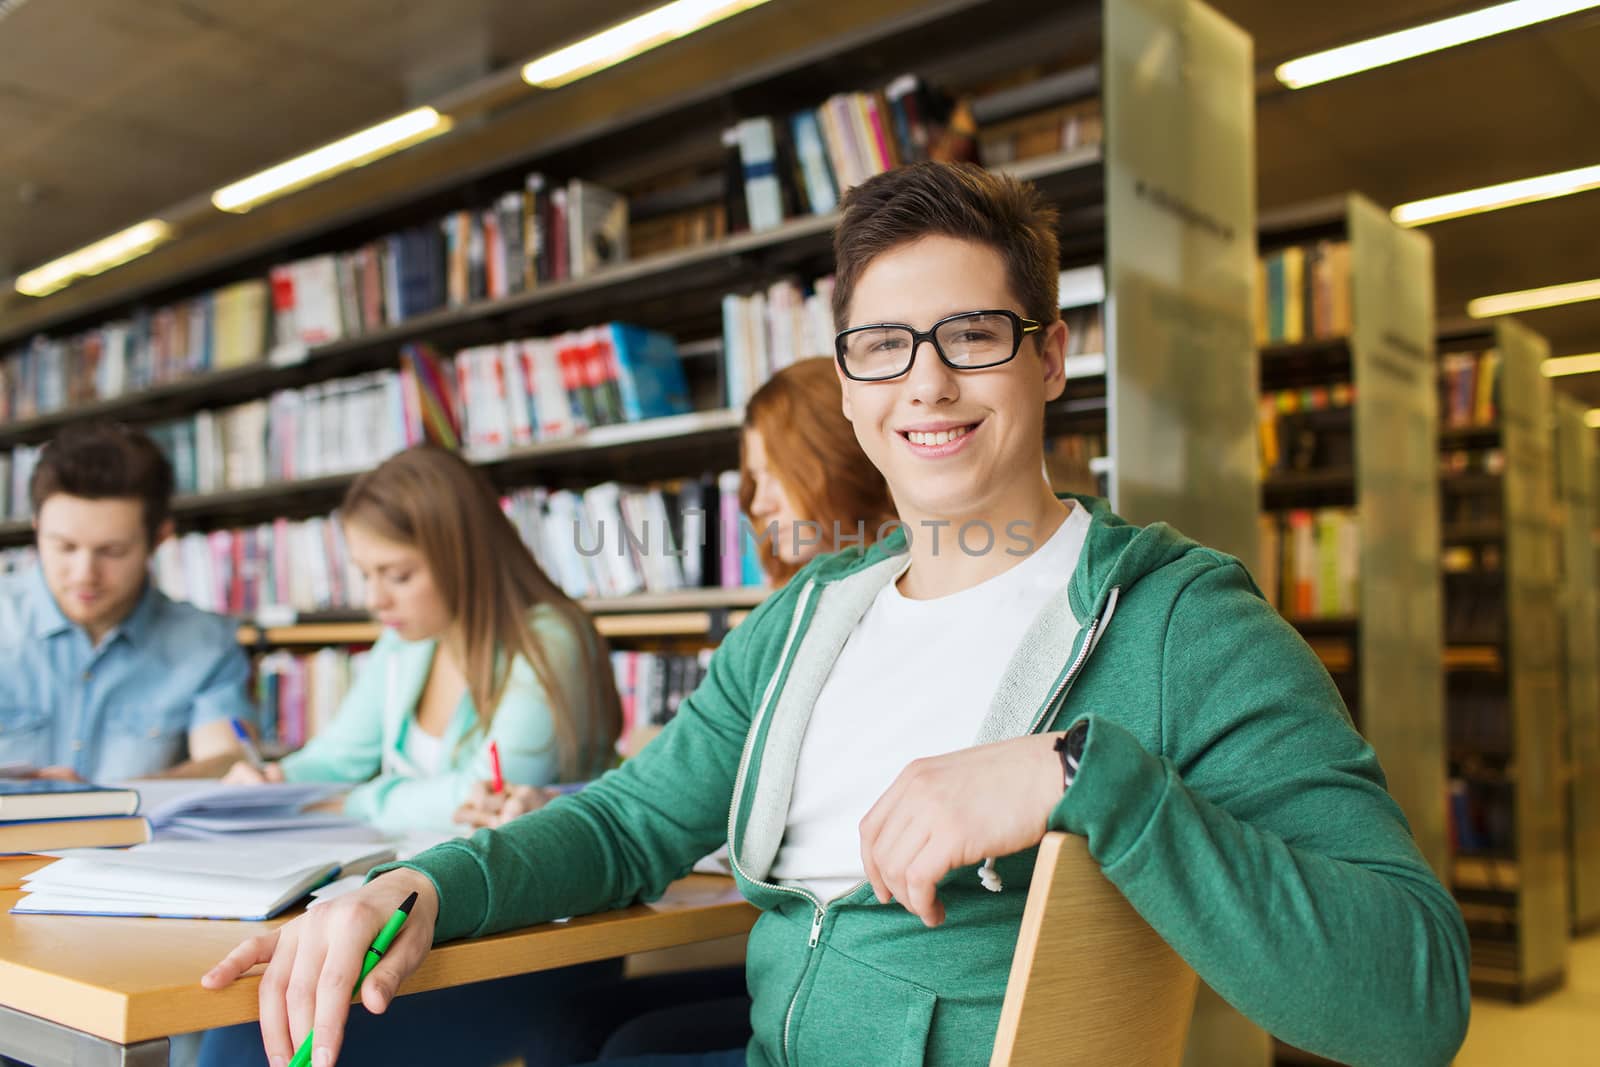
point(123, 709)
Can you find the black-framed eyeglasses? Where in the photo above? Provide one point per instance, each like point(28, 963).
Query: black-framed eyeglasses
point(971, 340)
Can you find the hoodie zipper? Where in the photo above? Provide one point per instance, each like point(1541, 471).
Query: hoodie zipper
point(1090, 639)
point(819, 909)
point(738, 791)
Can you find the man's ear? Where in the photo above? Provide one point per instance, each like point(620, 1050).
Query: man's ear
point(844, 391)
point(1053, 358)
point(164, 531)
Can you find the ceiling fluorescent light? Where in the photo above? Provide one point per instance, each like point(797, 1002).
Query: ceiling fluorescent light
point(1532, 299)
point(356, 150)
point(1591, 418)
point(1560, 366)
point(628, 39)
point(1420, 40)
point(90, 260)
point(1495, 197)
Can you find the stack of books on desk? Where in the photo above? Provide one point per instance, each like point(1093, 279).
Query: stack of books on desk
point(40, 814)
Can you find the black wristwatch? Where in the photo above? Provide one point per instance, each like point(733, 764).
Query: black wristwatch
point(1069, 746)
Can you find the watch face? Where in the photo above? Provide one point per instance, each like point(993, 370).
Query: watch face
point(1076, 739)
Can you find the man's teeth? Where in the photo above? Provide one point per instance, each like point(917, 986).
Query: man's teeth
point(943, 437)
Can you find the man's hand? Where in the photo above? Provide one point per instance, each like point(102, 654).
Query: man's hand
point(242, 773)
point(58, 774)
point(314, 961)
point(485, 807)
point(958, 809)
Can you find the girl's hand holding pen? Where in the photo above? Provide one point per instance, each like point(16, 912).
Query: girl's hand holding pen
point(486, 807)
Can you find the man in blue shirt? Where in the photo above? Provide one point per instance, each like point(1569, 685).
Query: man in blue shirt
point(102, 677)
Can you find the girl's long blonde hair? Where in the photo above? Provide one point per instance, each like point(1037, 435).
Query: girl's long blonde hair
point(433, 500)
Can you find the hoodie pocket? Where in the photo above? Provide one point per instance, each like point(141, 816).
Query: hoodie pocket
point(857, 1015)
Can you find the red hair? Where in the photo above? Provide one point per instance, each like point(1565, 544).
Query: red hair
point(813, 452)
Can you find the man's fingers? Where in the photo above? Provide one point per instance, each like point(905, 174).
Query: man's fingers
point(300, 994)
point(383, 983)
point(341, 968)
point(271, 997)
point(895, 856)
point(244, 956)
point(922, 884)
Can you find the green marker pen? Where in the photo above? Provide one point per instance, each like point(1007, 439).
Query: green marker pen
point(380, 945)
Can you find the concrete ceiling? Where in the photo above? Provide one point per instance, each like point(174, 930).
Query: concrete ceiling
point(111, 111)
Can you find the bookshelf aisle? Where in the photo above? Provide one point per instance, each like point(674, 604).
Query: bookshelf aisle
point(1575, 489)
point(1502, 560)
point(1348, 418)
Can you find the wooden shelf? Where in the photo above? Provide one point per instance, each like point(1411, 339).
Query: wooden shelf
point(1459, 437)
point(687, 613)
point(1322, 346)
point(1457, 533)
point(1321, 362)
point(1472, 658)
point(1326, 626)
point(1299, 481)
point(1471, 482)
point(1491, 873)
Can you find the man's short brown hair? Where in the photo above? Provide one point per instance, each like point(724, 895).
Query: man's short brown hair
point(105, 461)
point(957, 200)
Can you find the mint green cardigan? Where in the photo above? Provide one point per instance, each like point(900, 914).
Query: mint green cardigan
point(365, 742)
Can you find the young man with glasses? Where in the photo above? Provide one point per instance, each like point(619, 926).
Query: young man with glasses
point(887, 738)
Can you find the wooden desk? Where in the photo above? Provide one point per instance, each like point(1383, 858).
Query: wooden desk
point(80, 991)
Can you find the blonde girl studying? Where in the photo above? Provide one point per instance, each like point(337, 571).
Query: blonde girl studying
point(478, 646)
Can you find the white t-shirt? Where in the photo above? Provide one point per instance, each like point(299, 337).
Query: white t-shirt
point(425, 751)
point(914, 679)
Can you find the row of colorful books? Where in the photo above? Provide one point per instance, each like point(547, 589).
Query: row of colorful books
point(539, 234)
point(1480, 814)
point(609, 540)
point(16, 471)
point(530, 236)
point(217, 330)
point(765, 331)
point(547, 388)
point(1469, 389)
point(1303, 293)
point(652, 685)
point(1310, 562)
point(615, 540)
point(298, 693)
point(486, 399)
point(329, 428)
point(801, 163)
point(304, 566)
point(1292, 441)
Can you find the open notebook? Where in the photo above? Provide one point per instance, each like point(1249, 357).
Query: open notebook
point(195, 808)
point(193, 879)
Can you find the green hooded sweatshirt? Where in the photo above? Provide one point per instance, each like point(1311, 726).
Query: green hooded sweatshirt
point(1223, 790)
